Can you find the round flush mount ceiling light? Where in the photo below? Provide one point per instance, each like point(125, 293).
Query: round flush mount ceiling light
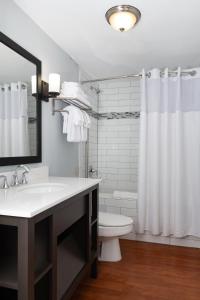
point(123, 17)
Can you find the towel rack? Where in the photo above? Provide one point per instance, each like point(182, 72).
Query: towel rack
point(69, 101)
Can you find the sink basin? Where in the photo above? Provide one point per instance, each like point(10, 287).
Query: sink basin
point(42, 188)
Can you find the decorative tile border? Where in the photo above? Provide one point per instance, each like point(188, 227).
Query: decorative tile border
point(115, 115)
point(119, 115)
point(94, 114)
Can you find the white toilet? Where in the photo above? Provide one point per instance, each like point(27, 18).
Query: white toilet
point(111, 227)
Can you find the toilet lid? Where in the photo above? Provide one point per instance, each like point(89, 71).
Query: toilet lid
point(113, 220)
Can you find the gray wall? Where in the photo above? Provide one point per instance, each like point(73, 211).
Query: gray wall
point(60, 156)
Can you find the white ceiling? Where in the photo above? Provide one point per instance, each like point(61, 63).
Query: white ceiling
point(167, 34)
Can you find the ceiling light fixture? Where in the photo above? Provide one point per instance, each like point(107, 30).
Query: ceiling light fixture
point(123, 17)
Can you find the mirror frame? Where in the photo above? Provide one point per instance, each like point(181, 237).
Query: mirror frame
point(5, 161)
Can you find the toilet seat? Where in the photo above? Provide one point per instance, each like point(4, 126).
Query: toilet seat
point(112, 220)
point(112, 225)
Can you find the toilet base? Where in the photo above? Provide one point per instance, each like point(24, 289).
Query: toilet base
point(110, 249)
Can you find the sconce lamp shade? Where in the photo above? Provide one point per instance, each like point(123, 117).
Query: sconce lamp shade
point(54, 84)
point(34, 84)
point(46, 91)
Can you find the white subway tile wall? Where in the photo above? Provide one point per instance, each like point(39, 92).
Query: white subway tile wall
point(118, 154)
point(93, 132)
point(118, 141)
point(126, 207)
point(82, 160)
point(93, 145)
point(119, 96)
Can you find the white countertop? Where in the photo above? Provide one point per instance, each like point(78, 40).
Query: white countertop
point(16, 203)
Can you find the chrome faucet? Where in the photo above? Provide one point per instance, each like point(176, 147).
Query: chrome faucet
point(23, 180)
point(5, 182)
point(92, 172)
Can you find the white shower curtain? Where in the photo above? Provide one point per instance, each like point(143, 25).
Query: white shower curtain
point(169, 163)
point(14, 137)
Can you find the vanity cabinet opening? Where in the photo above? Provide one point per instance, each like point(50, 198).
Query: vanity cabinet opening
point(42, 247)
point(8, 294)
point(42, 288)
point(72, 254)
point(94, 239)
point(8, 259)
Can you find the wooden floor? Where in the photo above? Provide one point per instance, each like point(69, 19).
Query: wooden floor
point(147, 271)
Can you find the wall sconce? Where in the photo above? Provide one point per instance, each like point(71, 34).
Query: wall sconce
point(47, 90)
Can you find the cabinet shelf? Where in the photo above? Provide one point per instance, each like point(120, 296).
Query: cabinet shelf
point(93, 255)
point(71, 253)
point(8, 257)
point(94, 222)
point(8, 274)
point(43, 287)
point(6, 293)
point(41, 274)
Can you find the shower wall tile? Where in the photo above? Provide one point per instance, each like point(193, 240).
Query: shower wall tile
point(82, 160)
point(92, 138)
point(119, 96)
point(118, 154)
point(118, 139)
point(127, 207)
point(93, 146)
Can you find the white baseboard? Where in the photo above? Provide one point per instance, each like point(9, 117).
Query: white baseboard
point(189, 241)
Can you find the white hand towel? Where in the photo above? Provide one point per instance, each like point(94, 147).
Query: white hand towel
point(87, 121)
point(65, 119)
point(86, 125)
point(73, 124)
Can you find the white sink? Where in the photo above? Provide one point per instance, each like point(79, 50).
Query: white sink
point(42, 188)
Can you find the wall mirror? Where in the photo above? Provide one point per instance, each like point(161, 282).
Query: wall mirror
point(20, 111)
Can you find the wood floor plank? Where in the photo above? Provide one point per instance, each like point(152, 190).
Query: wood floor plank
point(147, 271)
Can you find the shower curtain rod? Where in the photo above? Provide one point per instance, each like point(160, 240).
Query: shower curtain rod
point(148, 74)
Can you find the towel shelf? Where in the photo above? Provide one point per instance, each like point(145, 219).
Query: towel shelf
point(70, 101)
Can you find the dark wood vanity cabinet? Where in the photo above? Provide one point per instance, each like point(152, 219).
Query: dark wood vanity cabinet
point(46, 257)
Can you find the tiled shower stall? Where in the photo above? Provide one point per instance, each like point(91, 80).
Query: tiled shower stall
point(113, 151)
point(113, 143)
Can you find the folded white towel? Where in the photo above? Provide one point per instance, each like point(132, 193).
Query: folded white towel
point(124, 195)
point(74, 90)
point(71, 83)
point(72, 123)
point(68, 87)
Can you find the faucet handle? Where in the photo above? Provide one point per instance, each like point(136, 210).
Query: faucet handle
point(5, 182)
point(24, 179)
point(15, 179)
